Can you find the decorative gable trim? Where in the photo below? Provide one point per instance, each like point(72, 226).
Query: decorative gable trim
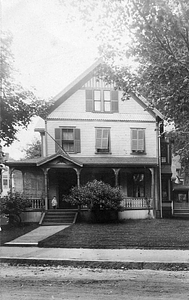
point(75, 85)
point(58, 158)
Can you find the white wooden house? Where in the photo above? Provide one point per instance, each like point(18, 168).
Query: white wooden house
point(91, 133)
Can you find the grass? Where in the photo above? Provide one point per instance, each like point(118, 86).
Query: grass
point(9, 233)
point(153, 234)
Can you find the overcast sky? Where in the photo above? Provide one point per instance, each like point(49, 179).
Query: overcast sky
point(49, 52)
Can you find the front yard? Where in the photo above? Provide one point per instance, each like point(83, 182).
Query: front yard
point(9, 233)
point(153, 234)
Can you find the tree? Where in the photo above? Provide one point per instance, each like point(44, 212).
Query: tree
point(154, 34)
point(33, 150)
point(18, 105)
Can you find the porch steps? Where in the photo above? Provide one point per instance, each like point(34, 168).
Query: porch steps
point(181, 213)
point(59, 217)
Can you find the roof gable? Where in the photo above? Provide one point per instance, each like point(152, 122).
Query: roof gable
point(84, 78)
point(59, 158)
point(75, 85)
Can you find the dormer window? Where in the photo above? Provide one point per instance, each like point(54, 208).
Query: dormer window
point(102, 100)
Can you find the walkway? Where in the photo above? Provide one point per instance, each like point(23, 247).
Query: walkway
point(128, 258)
point(33, 237)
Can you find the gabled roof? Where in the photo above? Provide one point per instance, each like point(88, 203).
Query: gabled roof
point(75, 85)
point(41, 161)
point(58, 157)
point(87, 75)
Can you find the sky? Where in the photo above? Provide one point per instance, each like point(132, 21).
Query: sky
point(49, 52)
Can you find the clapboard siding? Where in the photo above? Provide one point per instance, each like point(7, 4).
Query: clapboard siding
point(75, 108)
point(119, 132)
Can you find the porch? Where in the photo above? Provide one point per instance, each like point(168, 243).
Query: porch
point(181, 201)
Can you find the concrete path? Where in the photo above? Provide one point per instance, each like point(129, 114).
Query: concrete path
point(33, 237)
point(128, 258)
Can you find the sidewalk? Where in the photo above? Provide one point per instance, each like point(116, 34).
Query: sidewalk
point(113, 258)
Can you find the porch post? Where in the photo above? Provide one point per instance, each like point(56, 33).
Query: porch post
point(45, 171)
point(116, 172)
point(153, 189)
point(11, 170)
point(23, 180)
point(78, 171)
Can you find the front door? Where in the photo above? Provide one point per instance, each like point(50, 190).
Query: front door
point(66, 180)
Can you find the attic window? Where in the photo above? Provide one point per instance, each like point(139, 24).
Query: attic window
point(102, 100)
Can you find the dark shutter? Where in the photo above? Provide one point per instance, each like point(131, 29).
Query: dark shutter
point(77, 140)
point(57, 139)
point(114, 101)
point(89, 100)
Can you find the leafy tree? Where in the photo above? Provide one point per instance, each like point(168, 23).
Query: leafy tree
point(33, 150)
point(154, 35)
point(17, 104)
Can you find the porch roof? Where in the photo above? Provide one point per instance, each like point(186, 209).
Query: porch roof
point(87, 161)
point(181, 187)
point(118, 161)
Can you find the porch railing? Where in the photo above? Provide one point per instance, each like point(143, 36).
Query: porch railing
point(36, 203)
point(135, 202)
point(181, 205)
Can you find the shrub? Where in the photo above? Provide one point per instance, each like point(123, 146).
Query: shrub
point(95, 195)
point(13, 204)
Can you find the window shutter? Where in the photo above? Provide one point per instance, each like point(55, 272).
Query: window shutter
point(134, 140)
point(57, 139)
point(114, 101)
point(77, 140)
point(89, 100)
point(98, 138)
point(102, 138)
point(140, 140)
point(105, 138)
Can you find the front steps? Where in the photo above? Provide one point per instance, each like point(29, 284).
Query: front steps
point(181, 213)
point(58, 217)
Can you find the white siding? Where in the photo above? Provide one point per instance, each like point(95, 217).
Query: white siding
point(119, 134)
point(74, 108)
point(131, 114)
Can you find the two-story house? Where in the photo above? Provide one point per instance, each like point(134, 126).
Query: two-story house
point(91, 133)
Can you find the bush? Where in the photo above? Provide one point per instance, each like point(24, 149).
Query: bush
point(96, 195)
point(13, 204)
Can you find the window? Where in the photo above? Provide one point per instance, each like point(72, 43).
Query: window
point(102, 140)
point(101, 101)
point(67, 138)
point(137, 140)
point(164, 152)
point(5, 182)
point(138, 185)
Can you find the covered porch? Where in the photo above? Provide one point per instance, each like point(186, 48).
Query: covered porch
point(55, 175)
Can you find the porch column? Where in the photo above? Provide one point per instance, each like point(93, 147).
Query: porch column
point(45, 171)
point(153, 190)
point(23, 179)
point(116, 172)
point(11, 170)
point(78, 171)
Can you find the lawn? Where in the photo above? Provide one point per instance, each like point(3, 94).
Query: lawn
point(153, 234)
point(9, 233)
